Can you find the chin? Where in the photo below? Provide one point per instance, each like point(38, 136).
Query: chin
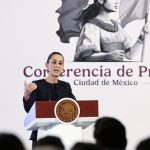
point(111, 10)
point(56, 75)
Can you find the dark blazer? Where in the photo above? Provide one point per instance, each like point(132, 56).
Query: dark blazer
point(46, 91)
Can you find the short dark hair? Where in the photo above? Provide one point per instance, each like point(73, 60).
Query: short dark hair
point(144, 145)
point(84, 146)
point(49, 141)
point(110, 133)
point(53, 53)
point(10, 141)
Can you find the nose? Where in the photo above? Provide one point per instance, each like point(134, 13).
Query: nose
point(57, 65)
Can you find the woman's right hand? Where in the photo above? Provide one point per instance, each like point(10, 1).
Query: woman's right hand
point(116, 55)
point(28, 88)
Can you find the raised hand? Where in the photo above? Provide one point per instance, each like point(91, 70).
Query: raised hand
point(28, 88)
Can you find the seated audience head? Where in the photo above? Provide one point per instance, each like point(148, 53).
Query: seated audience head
point(110, 134)
point(84, 146)
point(144, 145)
point(49, 143)
point(10, 141)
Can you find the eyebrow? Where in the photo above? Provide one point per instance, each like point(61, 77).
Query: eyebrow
point(57, 60)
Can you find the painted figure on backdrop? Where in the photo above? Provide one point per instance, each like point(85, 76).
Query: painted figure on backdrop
point(101, 38)
point(50, 88)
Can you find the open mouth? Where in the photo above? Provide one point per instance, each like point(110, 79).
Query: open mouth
point(56, 70)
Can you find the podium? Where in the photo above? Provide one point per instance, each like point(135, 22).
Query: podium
point(42, 116)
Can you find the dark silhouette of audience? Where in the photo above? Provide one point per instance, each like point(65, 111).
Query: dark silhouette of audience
point(49, 143)
point(144, 144)
point(84, 146)
point(110, 134)
point(10, 141)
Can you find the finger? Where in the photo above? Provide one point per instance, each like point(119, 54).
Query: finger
point(121, 58)
point(31, 89)
point(122, 55)
point(121, 51)
point(32, 86)
point(25, 83)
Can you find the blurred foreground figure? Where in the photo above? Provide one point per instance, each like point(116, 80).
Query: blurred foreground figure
point(84, 146)
point(49, 143)
point(110, 134)
point(10, 141)
point(144, 145)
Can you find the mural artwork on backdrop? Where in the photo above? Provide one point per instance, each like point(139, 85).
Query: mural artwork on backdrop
point(102, 39)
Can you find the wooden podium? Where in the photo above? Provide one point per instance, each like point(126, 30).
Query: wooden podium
point(42, 116)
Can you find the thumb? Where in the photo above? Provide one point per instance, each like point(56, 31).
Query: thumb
point(25, 83)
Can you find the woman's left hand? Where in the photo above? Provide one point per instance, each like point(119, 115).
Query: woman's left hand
point(145, 30)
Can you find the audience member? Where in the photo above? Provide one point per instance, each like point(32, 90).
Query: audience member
point(144, 145)
point(48, 143)
point(10, 141)
point(84, 146)
point(110, 134)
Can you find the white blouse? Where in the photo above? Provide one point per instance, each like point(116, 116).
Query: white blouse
point(95, 38)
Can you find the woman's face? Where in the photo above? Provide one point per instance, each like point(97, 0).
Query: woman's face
point(111, 5)
point(55, 65)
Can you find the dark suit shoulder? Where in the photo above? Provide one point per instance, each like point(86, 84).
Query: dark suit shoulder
point(64, 83)
point(38, 81)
